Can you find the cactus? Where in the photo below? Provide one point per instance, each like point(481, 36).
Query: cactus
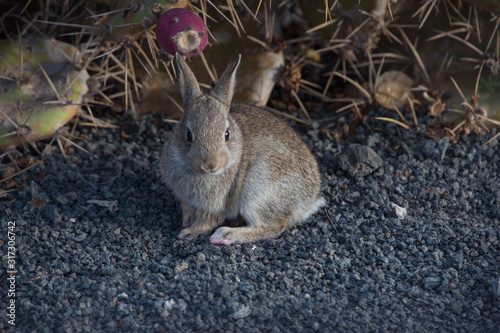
point(348, 41)
point(125, 47)
point(40, 89)
point(133, 18)
point(181, 30)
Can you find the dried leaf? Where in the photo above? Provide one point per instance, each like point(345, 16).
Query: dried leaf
point(11, 183)
point(41, 174)
point(291, 76)
point(124, 134)
point(437, 108)
point(393, 89)
point(38, 202)
point(25, 162)
point(437, 132)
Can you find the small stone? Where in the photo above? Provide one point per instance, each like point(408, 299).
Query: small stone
point(243, 311)
point(432, 282)
point(62, 199)
point(359, 160)
point(80, 237)
point(458, 260)
point(495, 288)
point(399, 212)
point(169, 304)
point(181, 267)
point(122, 296)
point(436, 149)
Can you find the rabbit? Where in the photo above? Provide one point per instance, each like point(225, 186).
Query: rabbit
point(223, 160)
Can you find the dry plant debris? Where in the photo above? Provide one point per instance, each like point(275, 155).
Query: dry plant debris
point(393, 53)
point(393, 89)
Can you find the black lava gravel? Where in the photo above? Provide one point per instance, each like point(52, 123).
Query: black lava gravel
point(409, 241)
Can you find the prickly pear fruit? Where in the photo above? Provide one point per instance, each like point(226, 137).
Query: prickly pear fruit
point(181, 30)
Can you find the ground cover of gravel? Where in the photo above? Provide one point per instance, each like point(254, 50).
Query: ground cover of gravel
point(96, 248)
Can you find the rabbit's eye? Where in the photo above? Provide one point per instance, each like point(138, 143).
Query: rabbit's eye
point(227, 135)
point(189, 136)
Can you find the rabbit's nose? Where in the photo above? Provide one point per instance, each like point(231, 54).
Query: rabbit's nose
point(213, 165)
point(210, 166)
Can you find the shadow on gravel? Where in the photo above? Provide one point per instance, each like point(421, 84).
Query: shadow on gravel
point(96, 249)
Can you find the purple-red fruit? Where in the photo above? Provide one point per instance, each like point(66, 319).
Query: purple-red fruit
point(181, 30)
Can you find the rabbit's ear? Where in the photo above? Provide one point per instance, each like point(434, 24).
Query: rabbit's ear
point(190, 89)
point(224, 89)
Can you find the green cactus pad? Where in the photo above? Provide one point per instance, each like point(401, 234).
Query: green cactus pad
point(30, 108)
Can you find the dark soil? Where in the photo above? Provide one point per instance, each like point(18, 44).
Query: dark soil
point(96, 247)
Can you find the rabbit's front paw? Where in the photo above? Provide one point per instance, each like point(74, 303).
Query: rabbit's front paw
point(187, 233)
point(226, 236)
point(188, 215)
point(192, 232)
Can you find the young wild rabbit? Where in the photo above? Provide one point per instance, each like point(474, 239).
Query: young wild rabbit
point(223, 160)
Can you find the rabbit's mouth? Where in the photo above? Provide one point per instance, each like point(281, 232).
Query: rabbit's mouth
point(213, 166)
